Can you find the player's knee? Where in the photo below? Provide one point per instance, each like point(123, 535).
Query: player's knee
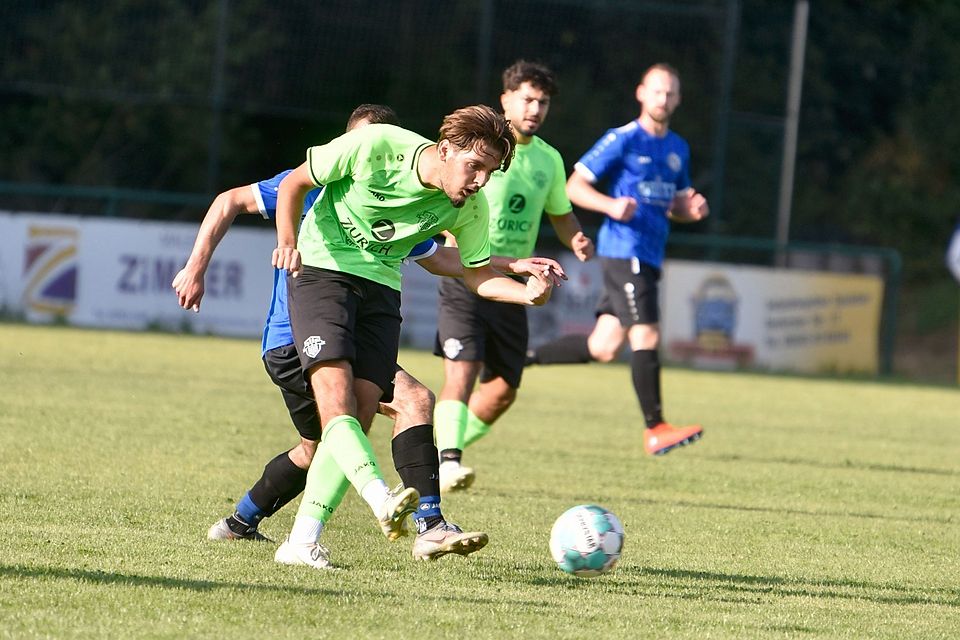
point(603, 353)
point(415, 405)
point(302, 455)
point(505, 399)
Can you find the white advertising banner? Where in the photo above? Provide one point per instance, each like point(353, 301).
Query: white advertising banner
point(117, 273)
point(725, 316)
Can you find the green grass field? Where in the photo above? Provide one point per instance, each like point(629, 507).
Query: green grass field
point(812, 508)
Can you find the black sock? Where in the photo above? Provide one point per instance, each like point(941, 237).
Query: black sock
point(568, 349)
point(645, 366)
point(456, 455)
point(415, 458)
point(281, 482)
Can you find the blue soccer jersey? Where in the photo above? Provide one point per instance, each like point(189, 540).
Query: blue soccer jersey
point(648, 168)
point(276, 330)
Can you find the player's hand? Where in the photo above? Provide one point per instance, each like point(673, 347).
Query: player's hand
point(689, 207)
point(189, 288)
point(535, 265)
point(697, 206)
point(582, 246)
point(287, 258)
point(623, 209)
point(539, 288)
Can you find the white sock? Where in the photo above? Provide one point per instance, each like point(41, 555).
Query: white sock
point(306, 530)
point(376, 494)
point(450, 464)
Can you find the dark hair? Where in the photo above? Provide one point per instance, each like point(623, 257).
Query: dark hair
point(660, 66)
point(374, 114)
point(480, 128)
point(536, 74)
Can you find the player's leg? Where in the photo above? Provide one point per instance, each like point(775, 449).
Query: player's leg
point(415, 458)
point(460, 342)
point(325, 309)
point(604, 341)
point(507, 337)
point(328, 486)
point(451, 416)
point(284, 477)
point(638, 308)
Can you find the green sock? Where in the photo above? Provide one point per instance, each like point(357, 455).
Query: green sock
point(352, 450)
point(449, 423)
point(326, 486)
point(476, 429)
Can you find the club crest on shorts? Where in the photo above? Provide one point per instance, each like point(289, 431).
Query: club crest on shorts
point(312, 346)
point(452, 348)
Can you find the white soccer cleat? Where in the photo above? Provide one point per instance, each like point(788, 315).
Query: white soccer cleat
point(220, 530)
point(401, 503)
point(455, 477)
point(446, 537)
point(312, 555)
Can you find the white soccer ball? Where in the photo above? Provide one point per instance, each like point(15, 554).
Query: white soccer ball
point(586, 540)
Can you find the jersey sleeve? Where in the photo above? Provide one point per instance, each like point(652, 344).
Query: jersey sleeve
point(265, 193)
point(335, 160)
point(423, 250)
point(603, 156)
point(557, 202)
point(472, 231)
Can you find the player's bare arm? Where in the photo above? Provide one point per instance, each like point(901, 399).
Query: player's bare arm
point(445, 261)
point(689, 206)
point(293, 189)
point(571, 235)
point(487, 283)
point(188, 283)
point(583, 194)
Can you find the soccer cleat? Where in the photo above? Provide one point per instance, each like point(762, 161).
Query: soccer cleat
point(664, 437)
point(398, 506)
point(455, 477)
point(312, 555)
point(222, 531)
point(444, 538)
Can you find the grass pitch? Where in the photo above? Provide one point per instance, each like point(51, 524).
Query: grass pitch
point(811, 508)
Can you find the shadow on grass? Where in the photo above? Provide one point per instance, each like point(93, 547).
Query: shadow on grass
point(742, 588)
point(794, 512)
point(690, 504)
point(166, 582)
point(847, 464)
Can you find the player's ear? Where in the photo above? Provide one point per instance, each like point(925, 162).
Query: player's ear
point(503, 101)
point(443, 149)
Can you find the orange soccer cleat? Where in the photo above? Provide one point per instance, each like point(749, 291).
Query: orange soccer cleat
point(664, 437)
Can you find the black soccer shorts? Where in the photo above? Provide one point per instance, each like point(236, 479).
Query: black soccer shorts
point(474, 329)
point(630, 291)
point(340, 316)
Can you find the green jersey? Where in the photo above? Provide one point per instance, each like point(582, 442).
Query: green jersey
point(375, 209)
point(534, 183)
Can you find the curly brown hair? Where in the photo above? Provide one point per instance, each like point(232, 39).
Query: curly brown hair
point(539, 76)
point(481, 129)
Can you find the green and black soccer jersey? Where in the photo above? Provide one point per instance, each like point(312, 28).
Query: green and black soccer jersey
point(534, 183)
point(375, 208)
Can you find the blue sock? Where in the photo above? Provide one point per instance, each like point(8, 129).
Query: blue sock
point(248, 511)
point(428, 513)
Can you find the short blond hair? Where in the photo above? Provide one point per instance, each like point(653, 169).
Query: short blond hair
point(480, 128)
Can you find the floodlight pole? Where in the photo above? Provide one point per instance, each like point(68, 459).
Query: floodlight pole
point(801, 10)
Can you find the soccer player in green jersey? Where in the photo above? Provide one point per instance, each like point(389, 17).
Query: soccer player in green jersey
point(487, 339)
point(387, 189)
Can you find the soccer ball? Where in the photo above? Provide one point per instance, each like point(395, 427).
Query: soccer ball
point(586, 540)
